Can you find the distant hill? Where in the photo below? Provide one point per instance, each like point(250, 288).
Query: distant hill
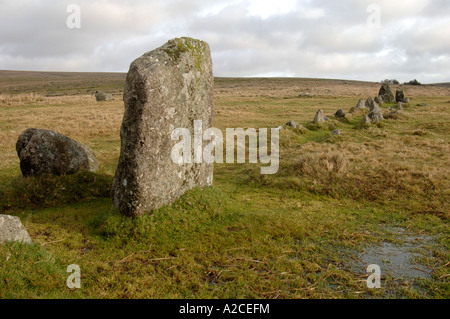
point(79, 83)
point(60, 83)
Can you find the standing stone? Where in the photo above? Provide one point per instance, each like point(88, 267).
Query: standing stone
point(375, 114)
point(167, 88)
point(366, 121)
point(379, 100)
point(370, 103)
point(386, 93)
point(320, 117)
point(12, 229)
point(339, 114)
point(399, 95)
point(361, 104)
point(47, 152)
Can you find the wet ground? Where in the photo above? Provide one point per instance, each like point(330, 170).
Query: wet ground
point(399, 260)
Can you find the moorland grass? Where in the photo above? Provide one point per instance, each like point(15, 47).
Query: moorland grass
point(295, 234)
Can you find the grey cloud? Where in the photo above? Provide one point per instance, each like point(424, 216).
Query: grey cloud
point(320, 38)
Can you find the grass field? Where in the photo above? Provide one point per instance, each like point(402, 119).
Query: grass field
point(377, 195)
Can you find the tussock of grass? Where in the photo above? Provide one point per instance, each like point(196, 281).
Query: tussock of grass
point(49, 190)
point(329, 125)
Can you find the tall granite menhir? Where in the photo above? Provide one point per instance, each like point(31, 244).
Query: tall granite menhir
point(166, 88)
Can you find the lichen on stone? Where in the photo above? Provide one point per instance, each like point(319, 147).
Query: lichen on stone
point(176, 47)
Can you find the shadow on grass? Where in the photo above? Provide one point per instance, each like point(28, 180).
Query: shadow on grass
point(50, 190)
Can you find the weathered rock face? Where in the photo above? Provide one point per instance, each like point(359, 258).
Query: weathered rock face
point(399, 95)
point(47, 152)
point(386, 93)
point(165, 89)
point(100, 96)
point(11, 229)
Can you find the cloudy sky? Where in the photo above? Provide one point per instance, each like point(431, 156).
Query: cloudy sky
point(346, 39)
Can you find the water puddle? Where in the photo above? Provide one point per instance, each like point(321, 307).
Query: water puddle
point(397, 260)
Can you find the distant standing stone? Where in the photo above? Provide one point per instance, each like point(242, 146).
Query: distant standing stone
point(379, 100)
point(167, 88)
point(375, 114)
point(361, 104)
point(370, 103)
point(47, 152)
point(399, 95)
point(306, 95)
point(320, 117)
point(386, 93)
point(12, 229)
point(100, 96)
point(339, 114)
point(366, 121)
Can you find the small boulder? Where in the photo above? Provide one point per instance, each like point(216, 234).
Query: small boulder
point(47, 152)
point(406, 100)
point(293, 124)
point(101, 96)
point(400, 106)
point(12, 229)
point(336, 132)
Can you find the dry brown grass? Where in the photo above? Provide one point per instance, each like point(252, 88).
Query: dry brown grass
point(79, 117)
